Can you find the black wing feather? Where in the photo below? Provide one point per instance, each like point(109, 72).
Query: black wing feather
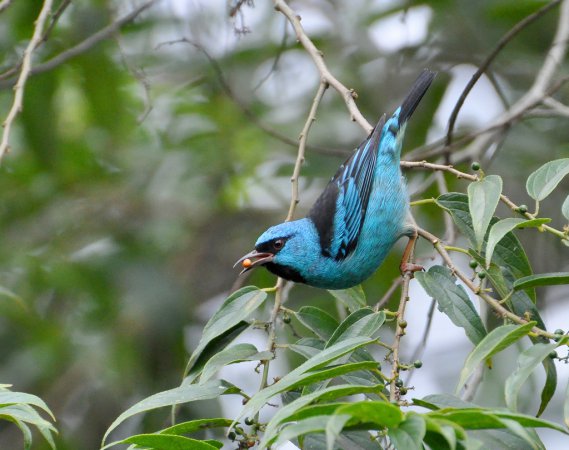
point(354, 179)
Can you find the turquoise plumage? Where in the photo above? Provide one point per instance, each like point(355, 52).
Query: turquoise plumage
point(356, 220)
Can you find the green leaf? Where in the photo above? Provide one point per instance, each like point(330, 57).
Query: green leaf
point(528, 360)
point(410, 433)
point(236, 308)
point(168, 442)
point(20, 413)
point(378, 413)
point(452, 300)
point(503, 227)
point(176, 396)
point(327, 394)
point(334, 427)
point(508, 253)
point(234, 354)
point(363, 322)
point(319, 360)
point(483, 198)
point(541, 279)
point(196, 425)
point(353, 298)
point(317, 320)
point(496, 341)
point(482, 418)
point(315, 424)
point(332, 372)
point(550, 383)
point(14, 398)
point(545, 179)
point(565, 208)
point(26, 432)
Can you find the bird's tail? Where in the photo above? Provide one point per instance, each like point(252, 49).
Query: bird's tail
point(415, 95)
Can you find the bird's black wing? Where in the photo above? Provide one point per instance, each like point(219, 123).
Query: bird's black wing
point(339, 212)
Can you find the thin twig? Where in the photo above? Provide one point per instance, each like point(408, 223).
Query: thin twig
point(522, 24)
point(295, 197)
point(347, 94)
point(418, 353)
point(4, 4)
point(387, 296)
point(24, 74)
point(467, 176)
point(541, 86)
point(399, 332)
point(492, 302)
point(248, 113)
point(85, 45)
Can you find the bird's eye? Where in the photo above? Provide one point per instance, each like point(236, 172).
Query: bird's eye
point(278, 244)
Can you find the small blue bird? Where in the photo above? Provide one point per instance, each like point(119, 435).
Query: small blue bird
point(362, 212)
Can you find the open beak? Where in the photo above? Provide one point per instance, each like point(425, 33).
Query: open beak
point(253, 259)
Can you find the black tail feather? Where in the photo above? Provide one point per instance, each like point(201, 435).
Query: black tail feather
point(414, 97)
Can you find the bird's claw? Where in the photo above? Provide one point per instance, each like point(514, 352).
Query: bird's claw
point(410, 267)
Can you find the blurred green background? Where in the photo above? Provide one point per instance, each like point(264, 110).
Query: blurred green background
point(137, 175)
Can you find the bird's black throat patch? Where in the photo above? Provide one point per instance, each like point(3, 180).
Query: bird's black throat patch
point(285, 272)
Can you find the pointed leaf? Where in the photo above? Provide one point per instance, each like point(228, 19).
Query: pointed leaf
point(410, 433)
point(363, 322)
point(14, 398)
point(565, 208)
point(503, 227)
point(452, 300)
point(321, 359)
point(353, 298)
point(317, 320)
point(542, 279)
point(168, 442)
point(483, 198)
point(334, 427)
point(176, 396)
point(496, 341)
point(231, 355)
point(326, 394)
point(528, 360)
point(196, 425)
point(545, 179)
point(236, 308)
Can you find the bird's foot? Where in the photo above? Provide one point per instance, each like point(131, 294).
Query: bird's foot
point(410, 267)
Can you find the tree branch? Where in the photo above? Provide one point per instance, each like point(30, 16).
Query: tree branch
point(24, 74)
point(347, 94)
point(86, 44)
point(486, 63)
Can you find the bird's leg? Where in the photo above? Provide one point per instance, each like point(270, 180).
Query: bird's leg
point(406, 265)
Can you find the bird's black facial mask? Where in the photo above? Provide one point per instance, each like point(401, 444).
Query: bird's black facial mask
point(263, 254)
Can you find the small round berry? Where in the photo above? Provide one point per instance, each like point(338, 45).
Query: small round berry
point(522, 209)
point(482, 274)
point(403, 324)
point(403, 390)
point(247, 263)
point(287, 319)
point(553, 354)
point(559, 331)
point(232, 435)
point(473, 264)
point(418, 364)
point(399, 382)
point(249, 421)
point(475, 166)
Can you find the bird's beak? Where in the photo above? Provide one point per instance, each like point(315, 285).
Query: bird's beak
point(253, 259)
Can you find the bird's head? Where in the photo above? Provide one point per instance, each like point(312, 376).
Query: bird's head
point(284, 249)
